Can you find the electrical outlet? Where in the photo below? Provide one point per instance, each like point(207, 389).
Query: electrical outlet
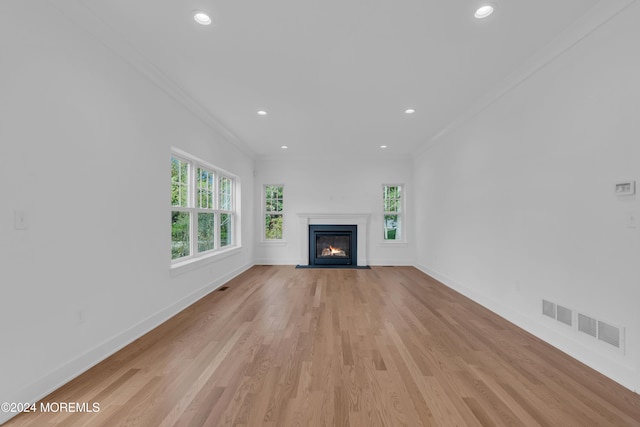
point(627, 188)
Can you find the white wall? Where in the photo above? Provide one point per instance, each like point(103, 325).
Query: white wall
point(85, 152)
point(518, 203)
point(336, 185)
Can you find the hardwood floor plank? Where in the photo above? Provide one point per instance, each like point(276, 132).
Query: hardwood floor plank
point(399, 370)
point(388, 346)
point(200, 408)
point(478, 411)
point(186, 399)
point(261, 398)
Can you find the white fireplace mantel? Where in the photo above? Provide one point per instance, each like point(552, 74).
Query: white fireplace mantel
point(359, 219)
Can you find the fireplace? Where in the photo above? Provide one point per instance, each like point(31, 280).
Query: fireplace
point(308, 250)
point(333, 245)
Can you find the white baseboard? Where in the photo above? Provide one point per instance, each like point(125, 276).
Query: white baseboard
point(391, 262)
point(270, 261)
point(65, 373)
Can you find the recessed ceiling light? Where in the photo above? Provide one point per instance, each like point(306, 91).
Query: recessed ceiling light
point(383, 146)
point(409, 111)
point(262, 113)
point(201, 17)
point(284, 147)
point(484, 11)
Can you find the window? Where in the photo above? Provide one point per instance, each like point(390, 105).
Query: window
point(202, 208)
point(393, 211)
point(180, 218)
point(226, 211)
point(273, 211)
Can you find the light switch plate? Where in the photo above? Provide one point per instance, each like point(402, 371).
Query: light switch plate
point(626, 188)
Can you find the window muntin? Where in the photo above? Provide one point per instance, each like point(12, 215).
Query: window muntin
point(273, 212)
point(203, 212)
point(393, 212)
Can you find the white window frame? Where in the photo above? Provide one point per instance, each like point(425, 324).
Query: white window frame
point(265, 213)
point(400, 213)
point(191, 208)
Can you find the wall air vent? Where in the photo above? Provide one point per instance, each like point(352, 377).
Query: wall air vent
point(564, 315)
point(558, 312)
point(603, 331)
point(609, 334)
point(548, 309)
point(588, 325)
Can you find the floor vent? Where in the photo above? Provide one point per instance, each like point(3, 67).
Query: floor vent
point(589, 325)
point(224, 288)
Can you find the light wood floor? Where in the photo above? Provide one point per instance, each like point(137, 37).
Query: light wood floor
point(387, 346)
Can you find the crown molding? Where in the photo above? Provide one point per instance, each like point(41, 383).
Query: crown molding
point(597, 16)
point(83, 17)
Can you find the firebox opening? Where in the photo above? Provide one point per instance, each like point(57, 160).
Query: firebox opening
point(332, 245)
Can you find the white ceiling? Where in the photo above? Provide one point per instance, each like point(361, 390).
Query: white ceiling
point(332, 74)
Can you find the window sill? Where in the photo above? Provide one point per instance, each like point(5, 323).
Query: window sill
point(194, 263)
point(277, 243)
